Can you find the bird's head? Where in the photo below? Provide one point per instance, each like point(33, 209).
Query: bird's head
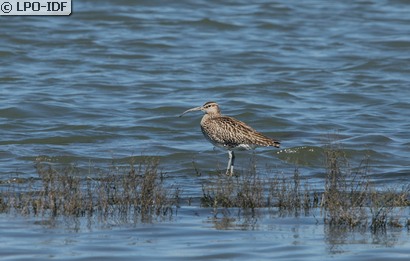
point(208, 108)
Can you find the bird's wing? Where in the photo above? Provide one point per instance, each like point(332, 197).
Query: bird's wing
point(232, 132)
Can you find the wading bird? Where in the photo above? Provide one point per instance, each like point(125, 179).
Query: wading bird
point(229, 133)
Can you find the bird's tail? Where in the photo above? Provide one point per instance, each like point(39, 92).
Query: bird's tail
point(275, 143)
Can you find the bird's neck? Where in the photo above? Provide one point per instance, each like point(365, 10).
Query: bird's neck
point(209, 116)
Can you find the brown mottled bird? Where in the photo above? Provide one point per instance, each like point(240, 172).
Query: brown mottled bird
point(229, 133)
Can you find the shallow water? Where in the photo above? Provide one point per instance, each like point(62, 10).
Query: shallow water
point(197, 234)
point(107, 83)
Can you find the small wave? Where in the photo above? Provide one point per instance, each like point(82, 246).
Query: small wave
point(302, 156)
point(210, 23)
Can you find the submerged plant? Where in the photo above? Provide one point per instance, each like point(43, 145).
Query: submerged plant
point(348, 198)
point(345, 193)
point(351, 200)
point(245, 190)
point(248, 190)
point(138, 191)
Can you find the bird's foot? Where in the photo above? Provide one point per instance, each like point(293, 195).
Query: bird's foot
point(229, 172)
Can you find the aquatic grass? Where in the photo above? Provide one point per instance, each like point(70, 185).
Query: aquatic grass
point(291, 195)
point(348, 198)
point(387, 207)
point(140, 192)
point(248, 190)
point(346, 191)
point(244, 190)
point(128, 192)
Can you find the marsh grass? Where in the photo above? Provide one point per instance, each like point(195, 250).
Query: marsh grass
point(346, 191)
point(292, 196)
point(248, 190)
point(348, 198)
point(243, 191)
point(351, 200)
point(138, 192)
point(127, 193)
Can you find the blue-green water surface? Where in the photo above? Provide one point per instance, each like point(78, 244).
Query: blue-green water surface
point(107, 83)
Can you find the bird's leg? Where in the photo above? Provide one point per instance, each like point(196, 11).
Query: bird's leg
point(233, 162)
point(229, 163)
point(229, 169)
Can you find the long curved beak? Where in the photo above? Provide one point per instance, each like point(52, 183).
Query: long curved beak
point(193, 109)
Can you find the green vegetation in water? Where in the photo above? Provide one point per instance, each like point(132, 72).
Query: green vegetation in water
point(348, 199)
point(138, 193)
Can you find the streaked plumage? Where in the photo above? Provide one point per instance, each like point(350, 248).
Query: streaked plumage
point(229, 133)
